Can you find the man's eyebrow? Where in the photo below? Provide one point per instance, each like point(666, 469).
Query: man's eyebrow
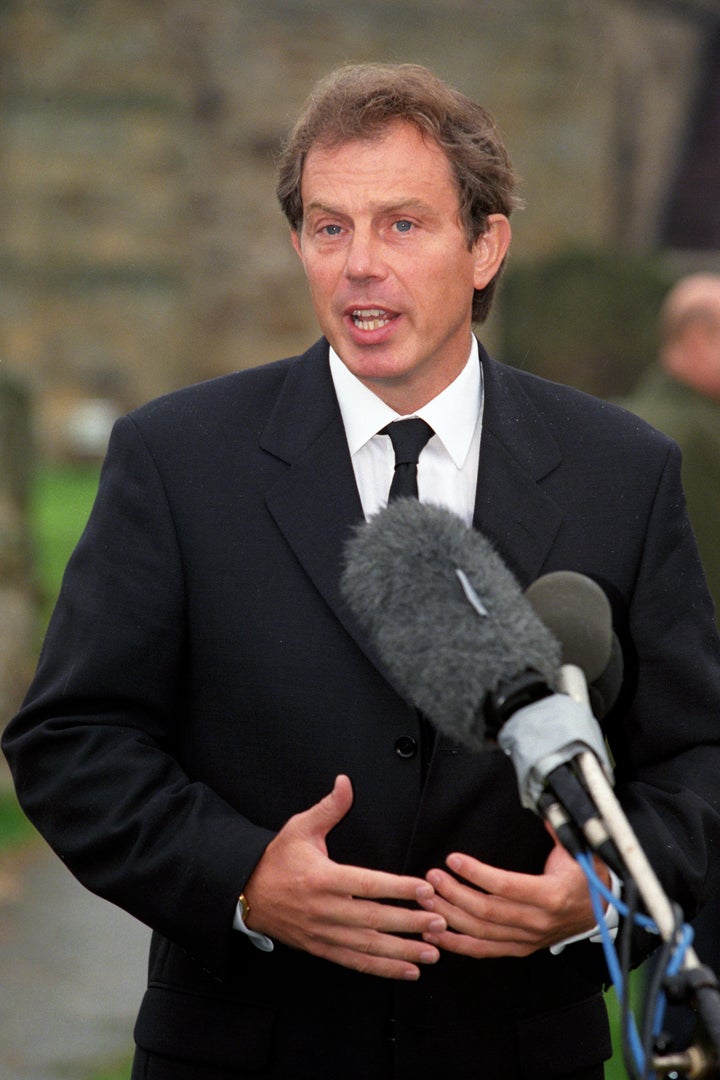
point(395, 207)
point(419, 205)
point(316, 207)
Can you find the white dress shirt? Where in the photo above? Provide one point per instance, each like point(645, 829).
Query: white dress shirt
point(448, 465)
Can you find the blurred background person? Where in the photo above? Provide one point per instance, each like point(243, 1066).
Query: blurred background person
point(680, 395)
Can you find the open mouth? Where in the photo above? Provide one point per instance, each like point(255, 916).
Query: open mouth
point(371, 318)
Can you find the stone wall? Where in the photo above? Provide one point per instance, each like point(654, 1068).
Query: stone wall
point(140, 244)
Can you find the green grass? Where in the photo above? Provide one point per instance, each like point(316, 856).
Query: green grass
point(118, 1070)
point(60, 501)
point(15, 829)
point(615, 1068)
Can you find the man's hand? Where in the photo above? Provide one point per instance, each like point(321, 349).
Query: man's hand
point(299, 896)
point(502, 913)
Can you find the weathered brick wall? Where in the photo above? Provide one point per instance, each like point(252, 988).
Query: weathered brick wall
point(140, 244)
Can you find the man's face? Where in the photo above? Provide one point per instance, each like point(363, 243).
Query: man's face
point(387, 259)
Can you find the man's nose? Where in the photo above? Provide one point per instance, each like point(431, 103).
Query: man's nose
point(364, 255)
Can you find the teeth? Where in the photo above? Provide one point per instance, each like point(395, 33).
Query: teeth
point(370, 318)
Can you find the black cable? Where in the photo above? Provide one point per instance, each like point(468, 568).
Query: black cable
point(652, 993)
point(630, 897)
point(655, 986)
point(656, 983)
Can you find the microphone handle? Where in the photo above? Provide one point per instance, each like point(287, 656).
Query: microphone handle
point(657, 904)
point(569, 789)
point(656, 901)
point(570, 792)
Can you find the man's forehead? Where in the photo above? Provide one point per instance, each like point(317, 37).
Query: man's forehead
point(392, 131)
point(394, 150)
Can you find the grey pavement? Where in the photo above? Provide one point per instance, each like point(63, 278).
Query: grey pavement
point(72, 972)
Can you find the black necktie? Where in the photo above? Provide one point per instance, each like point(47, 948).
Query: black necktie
point(408, 438)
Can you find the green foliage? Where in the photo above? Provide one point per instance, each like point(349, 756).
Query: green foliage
point(15, 828)
point(585, 317)
point(60, 501)
point(615, 1068)
point(112, 1071)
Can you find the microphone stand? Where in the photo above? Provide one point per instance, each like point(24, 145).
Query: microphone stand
point(699, 981)
point(696, 981)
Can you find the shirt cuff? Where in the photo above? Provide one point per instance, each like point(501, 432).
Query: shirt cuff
point(612, 921)
point(260, 941)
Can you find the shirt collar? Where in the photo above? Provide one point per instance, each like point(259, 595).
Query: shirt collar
point(453, 414)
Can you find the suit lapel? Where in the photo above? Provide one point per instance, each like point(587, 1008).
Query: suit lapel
point(517, 452)
point(315, 503)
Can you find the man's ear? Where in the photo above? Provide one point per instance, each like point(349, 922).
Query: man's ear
point(491, 248)
point(296, 243)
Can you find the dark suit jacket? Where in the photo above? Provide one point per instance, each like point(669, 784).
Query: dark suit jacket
point(202, 681)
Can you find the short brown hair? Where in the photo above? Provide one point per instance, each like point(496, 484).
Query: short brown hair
point(359, 101)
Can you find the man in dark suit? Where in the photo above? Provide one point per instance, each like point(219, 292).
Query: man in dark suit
point(211, 741)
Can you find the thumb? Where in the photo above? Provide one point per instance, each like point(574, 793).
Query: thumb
point(332, 808)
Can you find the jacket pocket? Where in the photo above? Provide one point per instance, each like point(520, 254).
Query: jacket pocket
point(222, 1032)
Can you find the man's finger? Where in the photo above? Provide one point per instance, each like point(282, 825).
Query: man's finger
point(319, 819)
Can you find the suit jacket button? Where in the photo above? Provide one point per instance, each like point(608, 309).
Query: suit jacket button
point(406, 746)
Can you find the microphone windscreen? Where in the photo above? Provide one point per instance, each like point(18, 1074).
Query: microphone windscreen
point(445, 614)
point(577, 611)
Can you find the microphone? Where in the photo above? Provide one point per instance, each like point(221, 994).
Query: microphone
point(446, 615)
point(450, 621)
point(577, 611)
point(467, 648)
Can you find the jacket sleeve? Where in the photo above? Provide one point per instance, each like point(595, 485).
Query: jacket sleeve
point(667, 743)
point(93, 749)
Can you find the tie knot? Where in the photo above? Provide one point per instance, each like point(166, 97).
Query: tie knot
point(408, 438)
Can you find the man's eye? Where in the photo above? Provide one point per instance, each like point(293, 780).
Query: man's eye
point(331, 230)
point(403, 226)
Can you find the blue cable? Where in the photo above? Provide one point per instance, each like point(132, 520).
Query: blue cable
point(599, 892)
